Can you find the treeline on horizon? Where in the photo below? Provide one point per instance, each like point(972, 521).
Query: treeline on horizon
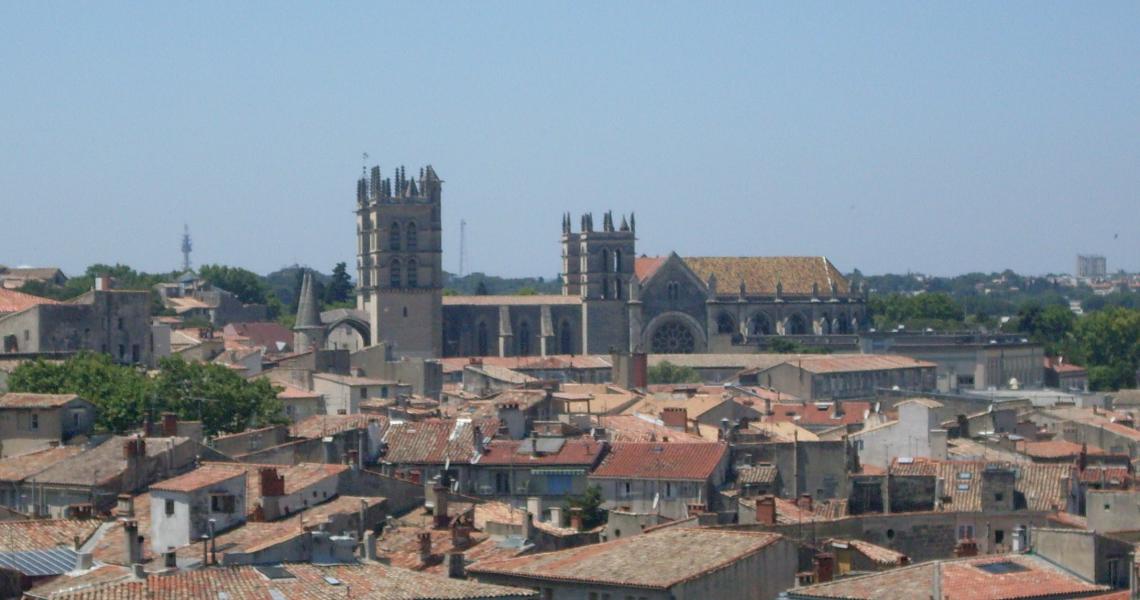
point(1106, 339)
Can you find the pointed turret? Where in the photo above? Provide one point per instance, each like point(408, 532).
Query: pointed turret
point(624, 224)
point(632, 223)
point(307, 330)
point(412, 190)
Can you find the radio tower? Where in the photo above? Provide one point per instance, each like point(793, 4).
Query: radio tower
point(186, 248)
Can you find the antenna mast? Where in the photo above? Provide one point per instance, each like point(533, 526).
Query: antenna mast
point(186, 247)
point(462, 246)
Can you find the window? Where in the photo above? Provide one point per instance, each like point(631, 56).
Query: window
point(120, 324)
point(668, 489)
point(605, 261)
point(626, 490)
point(524, 339)
point(135, 353)
point(617, 288)
point(965, 532)
point(394, 275)
point(394, 236)
point(35, 421)
point(222, 503)
point(998, 497)
point(412, 241)
point(384, 392)
point(75, 419)
point(169, 508)
point(999, 536)
point(363, 393)
point(413, 273)
point(482, 339)
point(122, 352)
point(724, 323)
point(673, 290)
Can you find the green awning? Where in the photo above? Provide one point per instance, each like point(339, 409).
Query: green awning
point(558, 471)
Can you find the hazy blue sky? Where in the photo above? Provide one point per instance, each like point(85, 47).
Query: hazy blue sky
point(887, 136)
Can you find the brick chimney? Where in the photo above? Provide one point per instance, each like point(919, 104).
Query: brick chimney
point(804, 502)
point(675, 417)
point(424, 539)
point(272, 484)
point(133, 541)
point(824, 567)
point(455, 566)
point(966, 549)
point(169, 424)
point(576, 521)
point(461, 535)
point(640, 369)
point(766, 510)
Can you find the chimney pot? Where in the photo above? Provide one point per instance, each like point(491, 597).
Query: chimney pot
point(824, 567)
point(766, 510)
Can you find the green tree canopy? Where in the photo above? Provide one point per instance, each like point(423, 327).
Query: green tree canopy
point(339, 288)
point(590, 502)
point(246, 285)
point(667, 372)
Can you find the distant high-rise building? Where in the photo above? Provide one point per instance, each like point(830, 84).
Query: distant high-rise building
point(1091, 265)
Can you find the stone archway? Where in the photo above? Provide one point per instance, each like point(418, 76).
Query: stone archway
point(357, 324)
point(759, 324)
point(795, 324)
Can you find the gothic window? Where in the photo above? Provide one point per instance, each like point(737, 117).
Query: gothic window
point(482, 340)
point(617, 261)
point(413, 273)
point(673, 337)
point(394, 274)
point(394, 236)
point(673, 290)
point(524, 339)
point(759, 325)
point(605, 288)
point(565, 342)
point(617, 288)
point(411, 234)
point(605, 260)
point(724, 323)
point(796, 325)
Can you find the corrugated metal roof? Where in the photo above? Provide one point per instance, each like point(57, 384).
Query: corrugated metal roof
point(40, 563)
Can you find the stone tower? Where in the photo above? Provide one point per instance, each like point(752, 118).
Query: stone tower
point(598, 264)
point(400, 260)
point(308, 332)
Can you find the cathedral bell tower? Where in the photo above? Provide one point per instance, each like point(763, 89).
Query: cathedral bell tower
point(400, 260)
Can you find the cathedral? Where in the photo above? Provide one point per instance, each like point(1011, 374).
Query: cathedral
point(612, 299)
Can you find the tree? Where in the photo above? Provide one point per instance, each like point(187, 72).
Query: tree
point(780, 345)
point(481, 289)
point(590, 502)
point(223, 400)
point(1107, 342)
point(667, 372)
point(120, 393)
point(246, 285)
point(339, 289)
point(1049, 325)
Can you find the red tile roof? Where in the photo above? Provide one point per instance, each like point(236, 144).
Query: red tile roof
point(23, 400)
point(1039, 483)
point(202, 477)
point(1054, 449)
point(317, 426)
point(436, 441)
point(1026, 577)
point(645, 266)
point(1060, 366)
point(44, 534)
point(819, 413)
point(633, 428)
point(273, 336)
point(22, 466)
point(653, 460)
point(846, 363)
point(573, 452)
point(654, 560)
point(12, 301)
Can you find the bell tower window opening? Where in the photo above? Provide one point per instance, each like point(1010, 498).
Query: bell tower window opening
point(413, 273)
point(411, 236)
point(394, 275)
point(394, 236)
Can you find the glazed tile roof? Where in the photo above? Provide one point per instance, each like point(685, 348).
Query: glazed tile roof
point(623, 562)
point(436, 441)
point(202, 477)
point(797, 274)
point(23, 400)
point(306, 582)
point(317, 426)
point(1023, 576)
point(573, 452)
point(44, 534)
point(12, 301)
point(695, 461)
point(1039, 483)
point(22, 466)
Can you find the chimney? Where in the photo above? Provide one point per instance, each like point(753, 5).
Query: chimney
point(169, 424)
point(424, 538)
point(576, 522)
point(966, 549)
point(170, 558)
point(766, 510)
point(804, 502)
point(675, 417)
point(824, 567)
point(439, 513)
point(640, 369)
point(370, 545)
point(132, 540)
point(138, 571)
point(477, 434)
point(272, 484)
point(83, 561)
point(534, 506)
point(1019, 539)
point(455, 566)
point(102, 283)
point(1083, 457)
point(461, 535)
point(528, 525)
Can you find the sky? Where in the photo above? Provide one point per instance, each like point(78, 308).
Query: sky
point(888, 136)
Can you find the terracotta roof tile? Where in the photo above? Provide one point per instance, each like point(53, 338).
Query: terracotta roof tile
point(23, 536)
point(436, 441)
point(653, 460)
point(574, 452)
point(23, 400)
point(624, 561)
point(12, 301)
point(1039, 483)
point(317, 426)
point(22, 466)
point(197, 479)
